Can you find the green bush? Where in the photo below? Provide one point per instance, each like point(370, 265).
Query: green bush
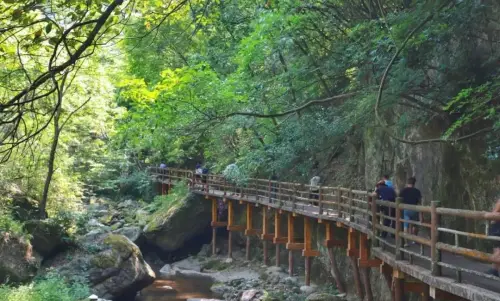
point(162, 203)
point(50, 288)
point(9, 224)
point(159, 209)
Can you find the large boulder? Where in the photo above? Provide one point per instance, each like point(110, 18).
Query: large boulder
point(113, 265)
point(18, 261)
point(47, 236)
point(180, 223)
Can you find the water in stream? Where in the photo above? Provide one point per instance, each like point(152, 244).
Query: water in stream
point(177, 290)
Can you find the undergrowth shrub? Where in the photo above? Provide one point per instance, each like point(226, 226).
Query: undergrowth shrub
point(49, 288)
point(160, 207)
point(11, 225)
point(163, 203)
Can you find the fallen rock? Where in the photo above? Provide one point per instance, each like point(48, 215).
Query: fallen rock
point(117, 225)
point(47, 236)
point(171, 231)
point(170, 271)
point(127, 204)
point(19, 263)
point(113, 265)
point(308, 289)
point(109, 218)
point(94, 224)
point(92, 236)
point(206, 250)
point(322, 297)
point(252, 295)
point(221, 289)
point(133, 233)
point(188, 264)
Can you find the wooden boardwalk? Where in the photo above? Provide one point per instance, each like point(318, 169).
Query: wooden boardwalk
point(429, 266)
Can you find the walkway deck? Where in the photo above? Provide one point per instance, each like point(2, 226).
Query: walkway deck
point(461, 272)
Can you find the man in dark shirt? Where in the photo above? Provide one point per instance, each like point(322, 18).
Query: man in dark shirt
point(386, 193)
point(410, 196)
point(495, 231)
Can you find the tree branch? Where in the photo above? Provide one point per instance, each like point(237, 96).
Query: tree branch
point(295, 110)
point(99, 23)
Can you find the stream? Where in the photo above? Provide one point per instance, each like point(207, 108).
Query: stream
point(177, 290)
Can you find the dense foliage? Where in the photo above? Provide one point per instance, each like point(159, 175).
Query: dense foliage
point(94, 92)
point(226, 89)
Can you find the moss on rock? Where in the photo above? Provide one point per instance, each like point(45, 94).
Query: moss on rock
point(122, 245)
point(105, 260)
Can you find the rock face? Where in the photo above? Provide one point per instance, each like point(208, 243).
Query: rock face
point(112, 263)
point(181, 223)
point(18, 261)
point(47, 237)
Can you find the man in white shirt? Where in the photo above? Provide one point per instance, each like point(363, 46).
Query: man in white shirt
point(314, 189)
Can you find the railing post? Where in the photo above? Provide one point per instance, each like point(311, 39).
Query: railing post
point(339, 201)
point(320, 200)
point(294, 201)
point(458, 272)
point(435, 253)
point(351, 210)
point(224, 183)
point(375, 220)
point(193, 183)
point(279, 194)
point(399, 254)
point(269, 192)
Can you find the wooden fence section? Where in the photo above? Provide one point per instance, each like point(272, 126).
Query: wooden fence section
point(444, 260)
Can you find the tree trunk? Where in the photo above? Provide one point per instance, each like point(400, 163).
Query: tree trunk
point(50, 164)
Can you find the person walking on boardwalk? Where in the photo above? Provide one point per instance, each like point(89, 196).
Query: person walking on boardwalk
point(494, 230)
point(386, 193)
point(198, 171)
point(314, 189)
point(410, 196)
point(388, 182)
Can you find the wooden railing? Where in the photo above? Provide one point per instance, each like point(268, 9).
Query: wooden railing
point(357, 208)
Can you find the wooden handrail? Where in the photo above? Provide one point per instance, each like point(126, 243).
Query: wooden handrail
point(355, 207)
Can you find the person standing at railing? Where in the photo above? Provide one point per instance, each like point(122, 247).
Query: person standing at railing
point(314, 189)
point(411, 196)
point(386, 193)
point(198, 171)
point(163, 165)
point(204, 176)
point(494, 230)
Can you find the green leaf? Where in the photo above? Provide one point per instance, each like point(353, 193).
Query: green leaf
point(48, 28)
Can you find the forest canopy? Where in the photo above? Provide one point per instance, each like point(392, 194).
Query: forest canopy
point(94, 92)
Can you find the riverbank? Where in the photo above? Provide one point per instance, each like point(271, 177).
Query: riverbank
point(233, 279)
